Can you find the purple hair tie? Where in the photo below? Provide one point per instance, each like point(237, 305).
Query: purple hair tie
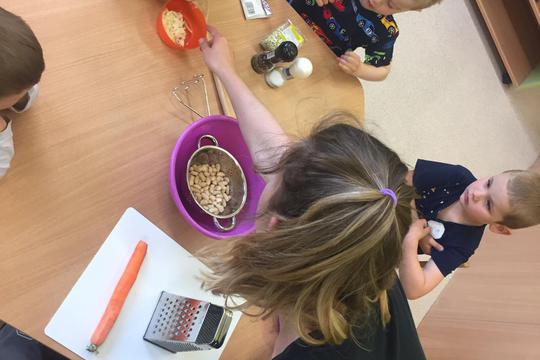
point(389, 192)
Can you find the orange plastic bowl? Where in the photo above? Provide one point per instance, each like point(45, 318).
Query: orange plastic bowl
point(194, 19)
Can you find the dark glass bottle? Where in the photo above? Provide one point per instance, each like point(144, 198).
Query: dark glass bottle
point(265, 61)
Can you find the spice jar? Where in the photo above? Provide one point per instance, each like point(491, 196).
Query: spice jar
point(266, 61)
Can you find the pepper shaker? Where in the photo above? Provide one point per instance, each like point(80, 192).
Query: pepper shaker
point(265, 61)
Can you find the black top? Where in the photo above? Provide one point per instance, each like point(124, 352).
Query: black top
point(346, 25)
point(398, 340)
point(440, 185)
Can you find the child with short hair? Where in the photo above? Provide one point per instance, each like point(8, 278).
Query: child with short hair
point(328, 238)
point(345, 25)
point(21, 66)
point(456, 207)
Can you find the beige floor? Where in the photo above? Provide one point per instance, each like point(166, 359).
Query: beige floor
point(443, 100)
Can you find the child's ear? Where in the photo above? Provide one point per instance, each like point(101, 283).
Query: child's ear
point(273, 222)
point(500, 229)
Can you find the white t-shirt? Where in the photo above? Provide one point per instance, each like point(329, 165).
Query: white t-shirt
point(6, 149)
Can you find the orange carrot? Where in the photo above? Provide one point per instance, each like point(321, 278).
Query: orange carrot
point(118, 297)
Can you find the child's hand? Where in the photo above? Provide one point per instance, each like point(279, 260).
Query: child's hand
point(216, 53)
point(324, 2)
point(427, 242)
point(350, 62)
point(418, 230)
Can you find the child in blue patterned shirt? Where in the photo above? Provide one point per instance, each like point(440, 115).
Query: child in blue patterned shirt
point(345, 25)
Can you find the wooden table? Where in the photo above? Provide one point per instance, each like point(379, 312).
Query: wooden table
point(489, 310)
point(99, 137)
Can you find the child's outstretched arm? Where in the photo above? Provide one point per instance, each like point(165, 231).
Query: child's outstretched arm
point(352, 64)
point(417, 281)
point(263, 135)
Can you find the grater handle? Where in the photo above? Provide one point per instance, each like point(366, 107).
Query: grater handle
point(225, 228)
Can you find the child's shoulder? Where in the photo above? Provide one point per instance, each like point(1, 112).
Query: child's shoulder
point(389, 23)
point(368, 19)
point(428, 171)
point(423, 164)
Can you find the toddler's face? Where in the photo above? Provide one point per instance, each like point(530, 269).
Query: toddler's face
point(8, 101)
point(389, 7)
point(486, 200)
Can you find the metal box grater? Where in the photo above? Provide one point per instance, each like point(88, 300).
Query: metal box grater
point(184, 324)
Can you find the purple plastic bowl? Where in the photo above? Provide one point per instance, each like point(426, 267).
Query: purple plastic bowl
point(227, 132)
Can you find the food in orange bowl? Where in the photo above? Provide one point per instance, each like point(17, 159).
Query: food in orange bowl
point(180, 24)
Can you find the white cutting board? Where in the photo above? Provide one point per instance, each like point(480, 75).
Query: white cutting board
point(167, 266)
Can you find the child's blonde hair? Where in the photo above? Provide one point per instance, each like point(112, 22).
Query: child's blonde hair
point(21, 56)
point(524, 195)
point(332, 256)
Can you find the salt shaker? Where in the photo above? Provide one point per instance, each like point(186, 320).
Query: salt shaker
point(301, 68)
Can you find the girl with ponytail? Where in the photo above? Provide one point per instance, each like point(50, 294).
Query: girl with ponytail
point(328, 239)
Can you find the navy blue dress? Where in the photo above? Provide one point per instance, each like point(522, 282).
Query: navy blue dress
point(440, 185)
point(346, 25)
point(397, 341)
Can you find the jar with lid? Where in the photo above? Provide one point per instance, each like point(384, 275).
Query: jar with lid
point(265, 61)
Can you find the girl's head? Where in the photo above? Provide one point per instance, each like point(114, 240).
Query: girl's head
point(330, 256)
